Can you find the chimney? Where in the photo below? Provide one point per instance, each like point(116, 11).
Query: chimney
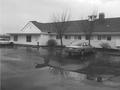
point(101, 17)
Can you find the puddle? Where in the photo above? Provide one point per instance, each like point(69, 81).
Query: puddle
point(83, 78)
point(67, 72)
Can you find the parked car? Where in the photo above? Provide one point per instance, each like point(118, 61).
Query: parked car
point(4, 41)
point(79, 49)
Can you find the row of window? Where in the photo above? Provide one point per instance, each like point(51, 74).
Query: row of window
point(28, 38)
point(99, 37)
point(69, 37)
point(103, 37)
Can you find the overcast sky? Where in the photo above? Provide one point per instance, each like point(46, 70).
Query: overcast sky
point(16, 13)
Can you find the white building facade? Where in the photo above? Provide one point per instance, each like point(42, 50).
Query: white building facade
point(35, 33)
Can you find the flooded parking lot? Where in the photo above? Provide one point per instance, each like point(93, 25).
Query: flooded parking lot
point(64, 72)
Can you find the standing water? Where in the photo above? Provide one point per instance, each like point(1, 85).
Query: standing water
point(99, 71)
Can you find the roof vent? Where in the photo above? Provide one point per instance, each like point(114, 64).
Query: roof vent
point(92, 18)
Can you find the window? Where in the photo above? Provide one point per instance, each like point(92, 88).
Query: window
point(109, 38)
point(77, 37)
point(15, 38)
point(99, 37)
point(103, 37)
point(28, 38)
point(67, 37)
point(91, 37)
point(87, 37)
point(57, 37)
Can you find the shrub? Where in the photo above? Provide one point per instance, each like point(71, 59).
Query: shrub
point(105, 45)
point(51, 43)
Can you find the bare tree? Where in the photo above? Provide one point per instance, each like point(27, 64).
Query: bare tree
point(88, 27)
point(60, 24)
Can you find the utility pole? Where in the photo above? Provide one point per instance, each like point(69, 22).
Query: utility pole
point(91, 20)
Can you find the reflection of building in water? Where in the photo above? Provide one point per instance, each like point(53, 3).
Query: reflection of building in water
point(67, 74)
point(77, 76)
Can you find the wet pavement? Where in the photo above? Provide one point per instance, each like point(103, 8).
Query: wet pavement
point(18, 71)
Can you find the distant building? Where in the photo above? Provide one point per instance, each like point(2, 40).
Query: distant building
point(105, 30)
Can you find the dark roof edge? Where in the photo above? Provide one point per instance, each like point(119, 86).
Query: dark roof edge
point(74, 20)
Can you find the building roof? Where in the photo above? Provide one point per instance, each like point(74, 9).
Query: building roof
point(108, 25)
point(22, 33)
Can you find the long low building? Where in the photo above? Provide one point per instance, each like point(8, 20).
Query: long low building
point(106, 30)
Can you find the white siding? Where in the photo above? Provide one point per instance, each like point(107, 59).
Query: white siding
point(22, 39)
point(117, 40)
point(42, 38)
point(30, 28)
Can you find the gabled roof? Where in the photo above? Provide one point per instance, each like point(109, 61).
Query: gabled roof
point(109, 25)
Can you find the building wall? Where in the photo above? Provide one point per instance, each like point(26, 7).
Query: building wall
point(22, 39)
point(32, 30)
point(115, 41)
point(43, 38)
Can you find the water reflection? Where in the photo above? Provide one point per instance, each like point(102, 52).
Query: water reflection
point(19, 65)
point(65, 74)
point(94, 65)
point(59, 71)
